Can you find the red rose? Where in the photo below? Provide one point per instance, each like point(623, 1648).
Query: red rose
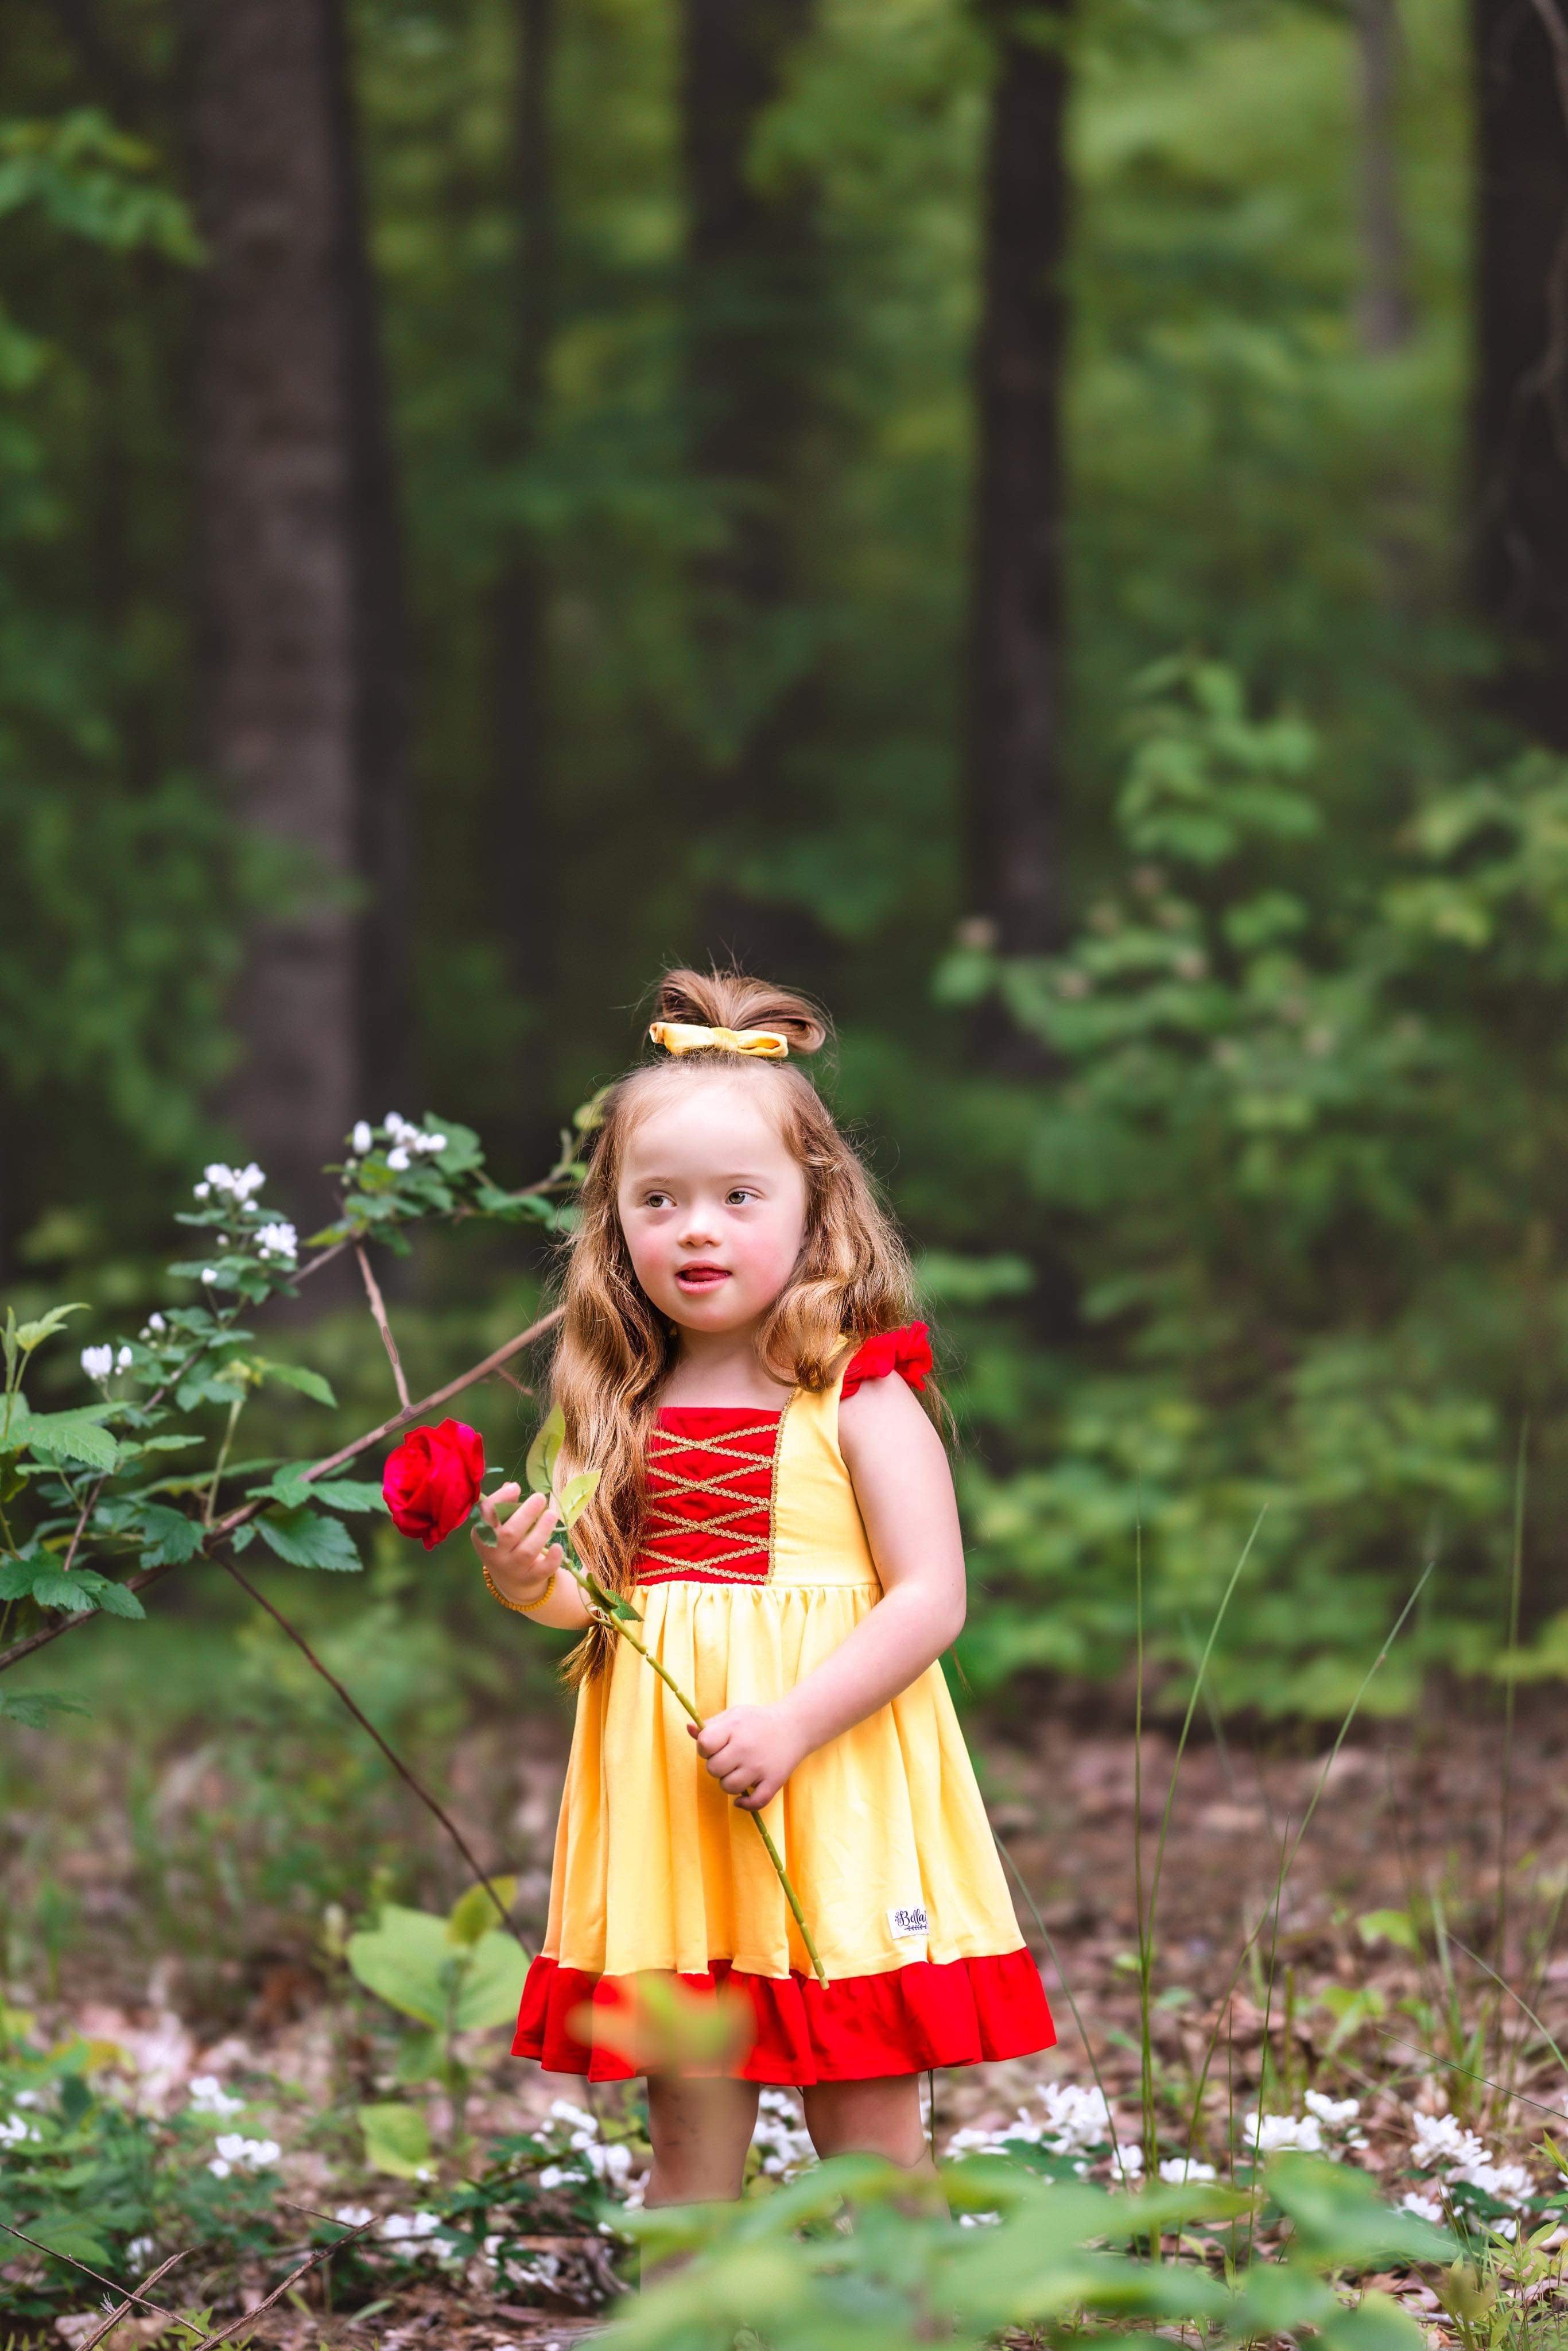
point(431, 1481)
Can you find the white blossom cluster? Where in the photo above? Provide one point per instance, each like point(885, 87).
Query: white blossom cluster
point(277, 1239)
point(15, 2131)
point(609, 2162)
point(1442, 2145)
point(1328, 2127)
point(1184, 2171)
point(101, 1362)
point(139, 2254)
point(409, 1141)
point(1073, 2120)
point(153, 1328)
point(208, 2096)
point(781, 2140)
point(236, 2154)
point(233, 1188)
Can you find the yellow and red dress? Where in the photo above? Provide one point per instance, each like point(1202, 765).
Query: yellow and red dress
point(755, 1566)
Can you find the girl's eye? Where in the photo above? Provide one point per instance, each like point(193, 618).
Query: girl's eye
point(657, 1200)
point(740, 1192)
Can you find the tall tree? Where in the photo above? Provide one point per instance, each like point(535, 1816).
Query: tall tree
point(1015, 657)
point(521, 826)
point(1519, 411)
point(302, 649)
point(755, 314)
point(1382, 304)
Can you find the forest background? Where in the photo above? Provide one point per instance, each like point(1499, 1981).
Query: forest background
point(1046, 526)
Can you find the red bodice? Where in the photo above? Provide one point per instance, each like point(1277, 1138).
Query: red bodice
point(708, 1517)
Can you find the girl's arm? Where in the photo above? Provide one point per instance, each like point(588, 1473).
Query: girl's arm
point(524, 1566)
point(904, 1488)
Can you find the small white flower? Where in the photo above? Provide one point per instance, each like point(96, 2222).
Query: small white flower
point(1270, 2132)
point(277, 1239)
point(1184, 2170)
point(353, 2216)
point(1128, 2161)
point(398, 1158)
point(209, 1273)
point(27, 2098)
point(556, 2175)
point(97, 1362)
point(139, 2253)
point(125, 1360)
point(409, 2229)
point(248, 2154)
point(154, 1327)
point(208, 2096)
point(1331, 2112)
point(1425, 2207)
point(362, 1138)
point(433, 1142)
point(979, 2219)
point(15, 2130)
point(202, 1191)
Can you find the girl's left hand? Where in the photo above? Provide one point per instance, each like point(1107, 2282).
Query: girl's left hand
point(750, 1751)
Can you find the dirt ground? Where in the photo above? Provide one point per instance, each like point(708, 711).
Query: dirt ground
point(1411, 1817)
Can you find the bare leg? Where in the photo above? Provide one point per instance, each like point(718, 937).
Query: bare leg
point(880, 2117)
point(700, 2132)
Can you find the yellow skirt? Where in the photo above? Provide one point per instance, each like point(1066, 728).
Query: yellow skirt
point(883, 1831)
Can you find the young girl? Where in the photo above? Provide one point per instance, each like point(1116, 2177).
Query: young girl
point(738, 1362)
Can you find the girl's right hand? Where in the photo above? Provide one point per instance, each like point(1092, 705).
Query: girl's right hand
point(523, 1561)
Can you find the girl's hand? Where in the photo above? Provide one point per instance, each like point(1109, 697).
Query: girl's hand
point(521, 1565)
point(750, 1751)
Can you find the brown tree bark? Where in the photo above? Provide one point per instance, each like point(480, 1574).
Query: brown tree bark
point(1382, 303)
point(1016, 660)
point(1519, 408)
point(521, 826)
point(302, 648)
point(755, 332)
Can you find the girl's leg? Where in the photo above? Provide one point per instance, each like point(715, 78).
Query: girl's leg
point(700, 2132)
point(880, 2117)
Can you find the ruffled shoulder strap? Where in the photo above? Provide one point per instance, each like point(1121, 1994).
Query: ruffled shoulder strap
point(907, 1352)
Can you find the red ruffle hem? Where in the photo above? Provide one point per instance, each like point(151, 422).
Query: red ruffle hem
point(858, 2028)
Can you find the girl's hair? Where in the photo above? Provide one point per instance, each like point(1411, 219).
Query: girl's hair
point(852, 1279)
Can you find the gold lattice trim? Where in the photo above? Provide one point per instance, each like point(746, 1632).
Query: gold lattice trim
point(660, 1520)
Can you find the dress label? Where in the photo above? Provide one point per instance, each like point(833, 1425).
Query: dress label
point(908, 1921)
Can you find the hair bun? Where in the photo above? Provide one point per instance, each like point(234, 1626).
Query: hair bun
point(732, 999)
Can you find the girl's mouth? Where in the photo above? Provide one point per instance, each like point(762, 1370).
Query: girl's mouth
point(701, 1277)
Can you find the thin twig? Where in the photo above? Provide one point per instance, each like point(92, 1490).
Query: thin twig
point(82, 1518)
point(324, 2253)
point(112, 2321)
point(1451, 2066)
point(146, 1576)
point(71, 2263)
point(379, 1308)
point(401, 1767)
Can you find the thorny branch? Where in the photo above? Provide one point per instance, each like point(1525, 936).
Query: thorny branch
point(114, 2317)
point(378, 1307)
point(425, 1798)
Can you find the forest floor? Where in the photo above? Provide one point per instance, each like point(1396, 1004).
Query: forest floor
point(1345, 1998)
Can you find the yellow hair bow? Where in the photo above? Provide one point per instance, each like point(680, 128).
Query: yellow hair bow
point(689, 1037)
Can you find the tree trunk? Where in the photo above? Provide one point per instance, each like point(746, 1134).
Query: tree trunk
point(1383, 305)
point(521, 828)
point(1519, 416)
point(754, 334)
point(303, 655)
point(1015, 753)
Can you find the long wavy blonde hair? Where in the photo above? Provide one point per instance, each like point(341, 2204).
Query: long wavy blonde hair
point(852, 1279)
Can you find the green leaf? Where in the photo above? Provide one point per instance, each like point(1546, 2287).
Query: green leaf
point(17, 1577)
point(1389, 1927)
point(299, 1375)
point(473, 1913)
point(307, 1538)
point(492, 1983)
point(71, 2239)
point(32, 1710)
point(397, 2140)
point(72, 1436)
point(539, 1468)
point(577, 1494)
point(119, 1600)
point(53, 1590)
point(1340, 2219)
point(291, 1488)
point(407, 1960)
point(166, 1536)
point(33, 1335)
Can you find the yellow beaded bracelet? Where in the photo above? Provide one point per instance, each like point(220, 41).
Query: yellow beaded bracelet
point(518, 1607)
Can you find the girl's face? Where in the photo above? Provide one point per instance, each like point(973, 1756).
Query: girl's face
point(713, 1205)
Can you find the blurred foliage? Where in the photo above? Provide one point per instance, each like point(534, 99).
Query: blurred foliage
point(1268, 1218)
